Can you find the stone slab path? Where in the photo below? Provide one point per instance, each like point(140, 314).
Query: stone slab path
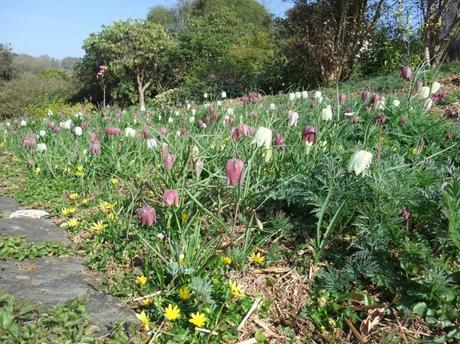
point(49, 281)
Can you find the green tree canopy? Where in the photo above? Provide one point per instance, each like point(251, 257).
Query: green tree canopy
point(136, 53)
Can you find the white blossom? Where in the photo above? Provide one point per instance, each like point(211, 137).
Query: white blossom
point(130, 132)
point(326, 113)
point(360, 162)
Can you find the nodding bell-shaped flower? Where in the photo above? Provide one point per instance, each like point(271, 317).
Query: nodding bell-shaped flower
point(365, 95)
point(326, 113)
point(309, 134)
point(272, 107)
point(163, 131)
point(424, 92)
point(171, 197)
point(130, 132)
point(66, 124)
point(304, 94)
point(78, 131)
point(23, 123)
point(298, 95)
point(223, 95)
point(293, 117)
point(169, 160)
point(234, 170)
point(152, 143)
point(406, 73)
point(84, 125)
point(435, 87)
point(41, 147)
point(147, 216)
point(198, 166)
point(279, 141)
point(94, 137)
point(396, 103)
point(111, 131)
point(29, 141)
point(291, 96)
point(95, 148)
point(317, 95)
point(263, 137)
point(342, 99)
point(360, 162)
point(375, 99)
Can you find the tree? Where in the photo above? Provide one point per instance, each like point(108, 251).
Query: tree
point(325, 36)
point(440, 27)
point(164, 16)
point(225, 43)
point(6, 62)
point(134, 51)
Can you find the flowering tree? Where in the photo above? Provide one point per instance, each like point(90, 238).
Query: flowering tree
point(134, 51)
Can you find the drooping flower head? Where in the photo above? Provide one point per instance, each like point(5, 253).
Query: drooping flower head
point(147, 216)
point(293, 117)
point(360, 162)
point(406, 73)
point(169, 160)
point(95, 148)
point(29, 141)
point(365, 95)
point(326, 113)
point(279, 141)
point(342, 99)
point(170, 197)
point(234, 170)
point(309, 134)
point(112, 131)
point(263, 137)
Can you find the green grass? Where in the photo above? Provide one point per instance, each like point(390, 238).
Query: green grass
point(19, 248)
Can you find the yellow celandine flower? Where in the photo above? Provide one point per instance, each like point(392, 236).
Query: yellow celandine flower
point(111, 216)
point(68, 211)
point(146, 302)
point(67, 170)
point(185, 293)
point(226, 260)
point(80, 171)
point(115, 181)
point(257, 258)
point(105, 206)
point(37, 170)
point(98, 226)
point(85, 201)
point(144, 319)
point(73, 196)
point(198, 319)
point(171, 312)
point(141, 280)
point(235, 290)
point(72, 223)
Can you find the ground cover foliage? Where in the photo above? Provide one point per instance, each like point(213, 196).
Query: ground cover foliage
point(325, 216)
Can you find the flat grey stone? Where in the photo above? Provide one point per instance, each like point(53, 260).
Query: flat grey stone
point(28, 213)
point(35, 230)
point(7, 206)
point(49, 281)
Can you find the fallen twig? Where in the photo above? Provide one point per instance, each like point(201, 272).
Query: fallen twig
point(248, 314)
point(355, 331)
point(204, 330)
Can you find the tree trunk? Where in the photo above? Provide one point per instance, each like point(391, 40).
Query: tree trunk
point(140, 91)
point(103, 96)
point(427, 57)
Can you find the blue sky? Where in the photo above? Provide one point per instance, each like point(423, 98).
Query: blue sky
point(58, 27)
